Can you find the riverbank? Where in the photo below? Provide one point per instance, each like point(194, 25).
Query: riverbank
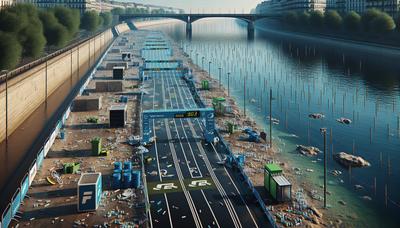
point(258, 154)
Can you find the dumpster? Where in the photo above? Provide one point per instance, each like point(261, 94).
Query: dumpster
point(276, 184)
point(127, 179)
point(116, 180)
point(135, 178)
point(89, 191)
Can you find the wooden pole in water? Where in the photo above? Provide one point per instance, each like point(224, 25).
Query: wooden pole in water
point(270, 117)
point(323, 130)
point(375, 185)
point(386, 196)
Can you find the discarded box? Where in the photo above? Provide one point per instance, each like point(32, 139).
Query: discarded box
point(118, 115)
point(109, 86)
point(118, 72)
point(86, 103)
point(110, 66)
point(89, 191)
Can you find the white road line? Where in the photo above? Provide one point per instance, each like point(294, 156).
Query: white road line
point(179, 173)
point(198, 168)
point(237, 190)
point(222, 192)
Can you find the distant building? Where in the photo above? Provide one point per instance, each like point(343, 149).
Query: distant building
point(279, 6)
point(360, 6)
point(5, 3)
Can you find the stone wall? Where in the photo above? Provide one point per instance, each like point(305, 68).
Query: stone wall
point(29, 89)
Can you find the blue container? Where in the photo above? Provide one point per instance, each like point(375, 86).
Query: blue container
point(241, 159)
point(135, 178)
point(90, 190)
point(116, 180)
point(127, 180)
point(128, 166)
point(123, 99)
point(117, 166)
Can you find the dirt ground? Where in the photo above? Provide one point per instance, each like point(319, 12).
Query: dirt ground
point(56, 205)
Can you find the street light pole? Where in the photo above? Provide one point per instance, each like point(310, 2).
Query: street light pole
point(197, 58)
point(209, 68)
point(244, 95)
point(202, 63)
point(220, 77)
point(228, 84)
point(270, 117)
point(323, 131)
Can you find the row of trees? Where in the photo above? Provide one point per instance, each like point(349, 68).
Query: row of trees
point(373, 20)
point(25, 31)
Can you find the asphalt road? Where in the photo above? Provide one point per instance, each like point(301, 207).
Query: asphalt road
point(187, 188)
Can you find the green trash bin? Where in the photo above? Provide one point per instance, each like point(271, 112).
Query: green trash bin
point(96, 146)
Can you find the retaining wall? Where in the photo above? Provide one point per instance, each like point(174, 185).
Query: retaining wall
point(27, 90)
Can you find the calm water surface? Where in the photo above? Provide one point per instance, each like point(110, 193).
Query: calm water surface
point(308, 76)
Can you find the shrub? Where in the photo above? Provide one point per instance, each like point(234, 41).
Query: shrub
point(107, 18)
point(333, 20)
point(352, 21)
point(10, 51)
point(291, 18)
point(33, 41)
point(316, 19)
point(90, 21)
point(56, 34)
point(368, 17)
point(383, 23)
point(118, 11)
point(69, 18)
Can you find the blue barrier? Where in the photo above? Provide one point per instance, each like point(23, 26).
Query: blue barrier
point(16, 202)
point(39, 159)
point(24, 187)
point(6, 217)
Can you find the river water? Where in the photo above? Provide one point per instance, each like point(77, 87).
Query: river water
point(309, 75)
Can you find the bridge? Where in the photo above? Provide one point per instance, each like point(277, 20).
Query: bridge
point(190, 18)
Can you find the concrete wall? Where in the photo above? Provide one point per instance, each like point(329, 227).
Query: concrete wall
point(29, 89)
point(121, 28)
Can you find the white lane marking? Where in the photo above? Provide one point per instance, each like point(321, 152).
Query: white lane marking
point(222, 192)
point(176, 128)
point(237, 190)
point(179, 173)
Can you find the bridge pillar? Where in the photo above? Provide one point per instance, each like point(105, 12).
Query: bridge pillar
point(189, 29)
point(250, 28)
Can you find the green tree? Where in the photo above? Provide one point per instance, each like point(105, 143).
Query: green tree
point(11, 22)
point(368, 17)
point(90, 21)
point(69, 18)
point(352, 21)
point(107, 19)
point(10, 51)
point(30, 32)
point(383, 23)
point(304, 18)
point(56, 34)
point(316, 19)
point(333, 20)
point(291, 18)
point(118, 11)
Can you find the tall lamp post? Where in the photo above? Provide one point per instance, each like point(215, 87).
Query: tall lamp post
point(323, 131)
point(202, 63)
point(228, 84)
point(219, 77)
point(197, 58)
point(270, 118)
point(244, 95)
point(209, 68)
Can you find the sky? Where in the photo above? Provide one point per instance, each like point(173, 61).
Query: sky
point(207, 6)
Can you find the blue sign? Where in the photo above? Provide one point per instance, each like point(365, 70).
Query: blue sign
point(24, 187)
point(87, 197)
point(6, 217)
point(39, 159)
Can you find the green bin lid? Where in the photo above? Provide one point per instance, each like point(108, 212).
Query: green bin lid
point(273, 168)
